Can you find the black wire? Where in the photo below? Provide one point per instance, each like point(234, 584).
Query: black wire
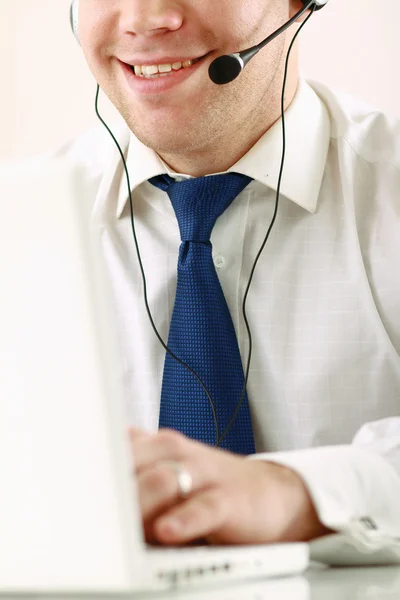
point(166, 348)
point(144, 277)
point(250, 339)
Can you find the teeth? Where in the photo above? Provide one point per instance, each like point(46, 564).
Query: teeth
point(164, 68)
point(151, 70)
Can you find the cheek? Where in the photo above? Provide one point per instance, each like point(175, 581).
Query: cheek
point(248, 17)
point(253, 20)
point(92, 49)
point(93, 34)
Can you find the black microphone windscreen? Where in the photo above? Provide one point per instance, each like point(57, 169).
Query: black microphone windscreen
point(224, 69)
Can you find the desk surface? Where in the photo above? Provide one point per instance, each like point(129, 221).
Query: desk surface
point(379, 583)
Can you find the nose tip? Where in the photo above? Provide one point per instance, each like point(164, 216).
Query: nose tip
point(152, 18)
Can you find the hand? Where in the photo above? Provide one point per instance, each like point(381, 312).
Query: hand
point(234, 500)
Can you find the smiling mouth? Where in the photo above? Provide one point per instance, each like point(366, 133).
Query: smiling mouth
point(155, 71)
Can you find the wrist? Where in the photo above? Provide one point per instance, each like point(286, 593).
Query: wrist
point(301, 521)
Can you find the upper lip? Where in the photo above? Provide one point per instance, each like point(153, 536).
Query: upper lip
point(164, 60)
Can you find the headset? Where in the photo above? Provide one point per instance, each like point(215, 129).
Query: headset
point(222, 71)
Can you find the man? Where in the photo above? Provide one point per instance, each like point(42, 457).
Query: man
point(324, 382)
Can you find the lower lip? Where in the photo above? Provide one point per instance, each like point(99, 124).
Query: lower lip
point(158, 85)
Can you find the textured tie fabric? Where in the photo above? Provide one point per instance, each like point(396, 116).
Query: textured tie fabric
point(201, 332)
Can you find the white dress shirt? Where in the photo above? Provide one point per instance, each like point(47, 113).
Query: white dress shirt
point(324, 306)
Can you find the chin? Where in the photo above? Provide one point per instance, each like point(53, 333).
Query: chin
point(165, 145)
point(168, 139)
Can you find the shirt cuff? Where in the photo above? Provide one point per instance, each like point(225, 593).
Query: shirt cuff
point(355, 493)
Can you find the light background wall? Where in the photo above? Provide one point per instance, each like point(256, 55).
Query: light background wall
point(47, 92)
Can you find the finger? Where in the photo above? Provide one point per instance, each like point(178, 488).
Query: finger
point(199, 517)
point(136, 434)
point(165, 445)
point(157, 490)
point(158, 487)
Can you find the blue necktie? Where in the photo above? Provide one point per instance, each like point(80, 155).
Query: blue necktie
point(201, 332)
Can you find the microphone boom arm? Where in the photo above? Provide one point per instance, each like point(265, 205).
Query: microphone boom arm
point(225, 69)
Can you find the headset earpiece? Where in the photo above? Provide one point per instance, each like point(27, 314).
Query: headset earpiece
point(317, 3)
point(73, 16)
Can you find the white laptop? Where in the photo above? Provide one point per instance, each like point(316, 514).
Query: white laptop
point(69, 517)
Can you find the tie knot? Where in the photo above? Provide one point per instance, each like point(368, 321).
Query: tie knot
point(199, 202)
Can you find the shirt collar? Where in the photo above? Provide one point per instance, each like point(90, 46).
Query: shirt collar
point(308, 132)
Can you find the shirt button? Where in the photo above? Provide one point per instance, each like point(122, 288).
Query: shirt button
point(219, 261)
